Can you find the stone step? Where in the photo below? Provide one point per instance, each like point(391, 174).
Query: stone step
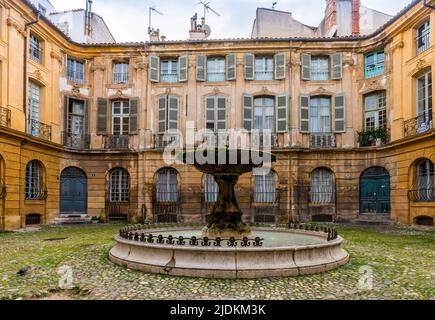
point(72, 219)
point(381, 220)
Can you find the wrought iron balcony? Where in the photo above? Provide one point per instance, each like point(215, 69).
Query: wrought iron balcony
point(375, 137)
point(162, 141)
point(263, 75)
point(322, 197)
point(217, 139)
point(322, 140)
point(39, 129)
point(216, 76)
point(169, 77)
point(166, 206)
point(265, 198)
point(5, 117)
point(116, 142)
point(420, 124)
point(76, 141)
point(39, 192)
point(423, 41)
point(422, 194)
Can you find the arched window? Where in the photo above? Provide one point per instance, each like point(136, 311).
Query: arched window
point(265, 188)
point(119, 185)
point(167, 185)
point(211, 189)
point(322, 186)
point(34, 189)
point(425, 181)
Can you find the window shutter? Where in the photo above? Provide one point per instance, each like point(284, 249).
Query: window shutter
point(280, 63)
point(154, 68)
point(134, 110)
point(173, 113)
point(210, 113)
point(231, 65)
point(66, 115)
point(281, 111)
point(221, 113)
point(102, 111)
point(201, 68)
point(183, 68)
point(248, 105)
point(86, 120)
point(304, 114)
point(340, 113)
point(337, 68)
point(306, 67)
point(249, 66)
point(162, 114)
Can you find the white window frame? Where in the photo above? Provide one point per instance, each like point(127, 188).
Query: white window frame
point(262, 71)
point(75, 70)
point(33, 180)
point(119, 186)
point(35, 49)
point(425, 180)
point(319, 72)
point(167, 186)
point(121, 72)
point(320, 118)
point(218, 75)
point(423, 37)
point(124, 118)
point(379, 113)
point(424, 102)
point(171, 76)
point(260, 105)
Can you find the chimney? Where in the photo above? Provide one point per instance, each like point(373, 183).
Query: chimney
point(337, 15)
point(197, 31)
point(355, 17)
point(330, 14)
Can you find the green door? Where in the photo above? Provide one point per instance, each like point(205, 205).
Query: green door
point(375, 191)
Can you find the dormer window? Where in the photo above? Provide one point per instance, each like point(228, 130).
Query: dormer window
point(216, 69)
point(121, 72)
point(35, 48)
point(169, 71)
point(423, 37)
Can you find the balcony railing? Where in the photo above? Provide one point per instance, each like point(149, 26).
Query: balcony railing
point(38, 192)
point(5, 117)
point(35, 52)
point(420, 124)
point(322, 140)
point(39, 129)
point(374, 70)
point(166, 206)
point(263, 75)
point(322, 196)
point(116, 142)
point(218, 139)
point(216, 76)
point(375, 137)
point(169, 77)
point(76, 141)
point(423, 41)
point(267, 198)
point(422, 194)
point(162, 141)
point(120, 78)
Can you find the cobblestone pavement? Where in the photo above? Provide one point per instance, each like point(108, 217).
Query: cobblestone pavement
point(400, 261)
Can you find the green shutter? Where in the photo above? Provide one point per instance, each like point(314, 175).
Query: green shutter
point(304, 106)
point(340, 113)
point(173, 109)
point(248, 106)
point(183, 68)
point(221, 103)
point(280, 68)
point(249, 63)
point(337, 66)
point(201, 68)
point(162, 114)
point(210, 113)
point(154, 68)
point(281, 111)
point(102, 111)
point(306, 67)
point(134, 110)
point(231, 66)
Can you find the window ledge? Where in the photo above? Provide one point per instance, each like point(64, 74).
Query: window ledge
point(34, 202)
point(119, 85)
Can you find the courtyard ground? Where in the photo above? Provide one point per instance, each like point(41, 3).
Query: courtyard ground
point(386, 263)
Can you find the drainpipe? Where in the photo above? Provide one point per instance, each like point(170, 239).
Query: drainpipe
point(26, 28)
point(426, 4)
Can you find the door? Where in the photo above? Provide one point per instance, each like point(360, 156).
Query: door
point(73, 192)
point(375, 192)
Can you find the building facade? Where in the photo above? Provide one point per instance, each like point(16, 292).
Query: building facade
point(83, 127)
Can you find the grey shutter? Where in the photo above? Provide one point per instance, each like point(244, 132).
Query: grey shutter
point(86, 120)
point(65, 116)
point(306, 67)
point(340, 113)
point(248, 106)
point(102, 113)
point(281, 111)
point(337, 66)
point(154, 68)
point(201, 68)
point(173, 112)
point(221, 103)
point(162, 114)
point(249, 63)
point(210, 113)
point(183, 68)
point(304, 106)
point(280, 63)
point(231, 65)
point(134, 110)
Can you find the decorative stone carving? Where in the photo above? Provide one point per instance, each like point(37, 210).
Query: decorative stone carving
point(168, 90)
point(398, 45)
point(75, 91)
point(56, 56)
point(17, 26)
point(97, 67)
point(140, 66)
point(37, 75)
point(216, 90)
point(421, 64)
point(321, 91)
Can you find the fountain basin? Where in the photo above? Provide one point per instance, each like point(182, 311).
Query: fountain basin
point(283, 253)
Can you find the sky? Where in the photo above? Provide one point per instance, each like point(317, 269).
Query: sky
point(128, 19)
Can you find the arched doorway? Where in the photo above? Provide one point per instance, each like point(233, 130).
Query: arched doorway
point(375, 192)
point(73, 191)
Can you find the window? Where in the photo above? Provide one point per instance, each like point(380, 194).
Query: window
point(119, 185)
point(34, 109)
point(264, 114)
point(34, 188)
point(211, 189)
point(120, 118)
point(423, 37)
point(216, 69)
point(75, 70)
point(375, 111)
point(35, 48)
point(121, 72)
point(264, 68)
point(169, 71)
point(320, 118)
point(424, 102)
point(425, 181)
point(319, 68)
point(265, 188)
point(374, 64)
point(76, 117)
point(322, 186)
point(167, 185)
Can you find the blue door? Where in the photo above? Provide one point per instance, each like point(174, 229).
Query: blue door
point(375, 191)
point(73, 191)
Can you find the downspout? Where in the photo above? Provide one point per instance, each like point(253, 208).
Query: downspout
point(426, 4)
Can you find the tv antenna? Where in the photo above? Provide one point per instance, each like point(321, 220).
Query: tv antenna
point(151, 10)
point(207, 8)
point(274, 4)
